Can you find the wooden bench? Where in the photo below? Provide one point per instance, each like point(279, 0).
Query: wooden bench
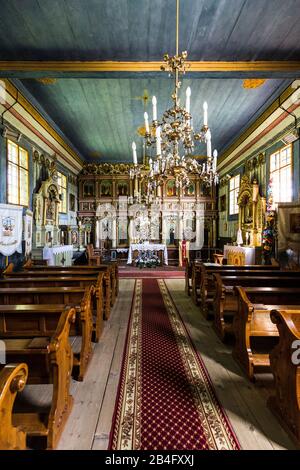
point(252, 321)
point(285, 365)
point(12, 380)
point(75, 272)
point(208, 285)
point(66, 281)
point(49, 360)
point(225, 302)
point(79, 297)
point(202, 276)
point(111, 267)
point(188, 275)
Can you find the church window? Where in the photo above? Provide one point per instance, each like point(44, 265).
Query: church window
point(281, 174)
point(62, 188)
point(17, 175)
point(234, 186)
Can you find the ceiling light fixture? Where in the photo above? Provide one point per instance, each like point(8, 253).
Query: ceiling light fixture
point(174, 137)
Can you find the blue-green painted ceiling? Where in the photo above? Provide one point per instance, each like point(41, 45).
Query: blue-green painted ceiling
point(145, 29)
point(101, 117)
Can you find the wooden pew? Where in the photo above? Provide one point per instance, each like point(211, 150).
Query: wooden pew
point(75, 272)
point(285, 365)
point(208, 285)
point(255, 334)
point(225, 302)
point(66, 281)
point(12, 380)
point(189, 275)
point(79, 297)
point(9, 269)
point(49, 360)
point(111, 268)
point(202, 277)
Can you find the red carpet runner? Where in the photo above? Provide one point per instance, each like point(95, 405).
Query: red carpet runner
point(166, 400)
point(148, 274)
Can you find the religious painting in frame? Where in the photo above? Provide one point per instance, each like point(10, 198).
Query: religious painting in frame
point(190, 189)
point(171, 189)
point(88, 189)
point(223, 203)
point(74, 237)
point(106, 188)
point(72, 203)
point(122, 188)
point(295, 223)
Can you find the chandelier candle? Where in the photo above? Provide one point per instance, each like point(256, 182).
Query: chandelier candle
point(154, 104)
point(188, 99)
point(134, 153)
point(208, 141)
point(146, 123)
point(158, 141)
point(215, 155)
point(205, 115)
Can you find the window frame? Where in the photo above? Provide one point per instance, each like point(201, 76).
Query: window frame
point(8, 142)
point(235, 189)
point(271, 173)
point(66, 191)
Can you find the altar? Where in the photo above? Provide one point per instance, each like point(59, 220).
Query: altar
point(146, 246)
point(239, 255)
point(58, 255)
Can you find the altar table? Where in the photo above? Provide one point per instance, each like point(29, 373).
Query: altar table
point(147, 247)
point(239, 255)
point(58, 255)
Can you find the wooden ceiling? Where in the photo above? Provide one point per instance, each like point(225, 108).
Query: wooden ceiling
point(97, 105)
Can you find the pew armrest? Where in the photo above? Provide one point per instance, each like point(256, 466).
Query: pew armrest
point(12, 380)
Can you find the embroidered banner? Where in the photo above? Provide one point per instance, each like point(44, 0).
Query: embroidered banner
point(28, 232)
point(10, 229)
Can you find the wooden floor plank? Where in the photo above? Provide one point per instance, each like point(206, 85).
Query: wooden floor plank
point(80, 430)
point(105, 418)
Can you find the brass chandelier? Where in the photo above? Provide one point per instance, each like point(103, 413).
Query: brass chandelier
point(174, 137)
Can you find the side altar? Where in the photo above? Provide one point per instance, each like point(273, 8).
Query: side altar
point(46, 203)
point(252, 209)
point(46, 233)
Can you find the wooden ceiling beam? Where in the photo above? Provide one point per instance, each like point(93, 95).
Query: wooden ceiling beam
point(265, 69)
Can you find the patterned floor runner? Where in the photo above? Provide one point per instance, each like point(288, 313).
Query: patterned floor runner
point(165, 399)
point(148, 274)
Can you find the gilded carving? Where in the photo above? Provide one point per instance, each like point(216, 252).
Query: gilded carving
point(251, 210)
point(107, 168)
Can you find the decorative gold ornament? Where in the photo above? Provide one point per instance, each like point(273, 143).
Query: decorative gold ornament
point(142, 131)
point(253, 82)
point(47, 80)
point(108, 168)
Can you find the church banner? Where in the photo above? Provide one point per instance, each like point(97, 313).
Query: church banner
point(10, 229)
point(28, 232)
